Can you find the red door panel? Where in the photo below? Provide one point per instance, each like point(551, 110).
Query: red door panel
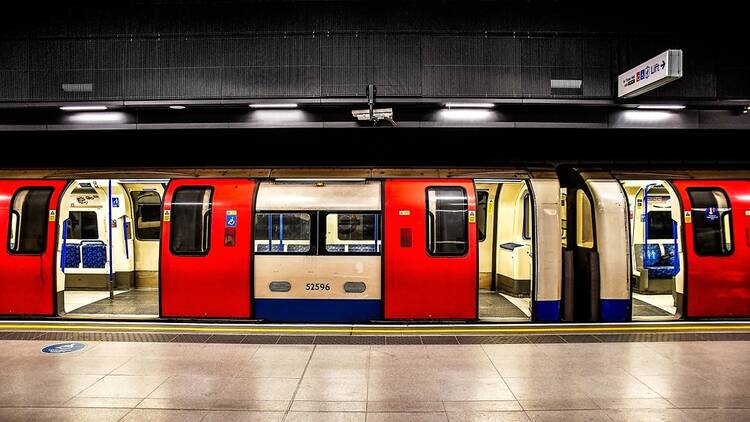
point(27, 279)
point(215, 284)
point(419, 285)
point(718, 286)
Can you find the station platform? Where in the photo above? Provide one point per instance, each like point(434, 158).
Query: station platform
point(135, 371)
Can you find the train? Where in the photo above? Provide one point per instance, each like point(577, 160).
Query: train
point(353, 246)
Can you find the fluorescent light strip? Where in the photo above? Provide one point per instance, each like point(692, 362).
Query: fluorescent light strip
point(660, 107)
point(470, 105)
point(271, 105)
point(83, 108)
point(177, 107)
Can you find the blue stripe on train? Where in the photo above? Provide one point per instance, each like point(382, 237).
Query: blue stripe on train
point(546, 310)
point(318, 310)
point(614, 310)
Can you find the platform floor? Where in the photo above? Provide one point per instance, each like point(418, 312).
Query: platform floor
point(613, 381)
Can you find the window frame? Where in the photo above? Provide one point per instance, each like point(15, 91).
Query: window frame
point(323, 218)
point(209, 222)
point(96, 219)
point(314, 222)
point(730, 252)
point(427, 221)
point(134, 202)
point(43, 248)
point(483, 236)
point(528, 217)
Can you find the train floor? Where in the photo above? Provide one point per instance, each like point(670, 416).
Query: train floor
point(125, 303)
point(500, 306)
point(192, 378)
point(653, 306)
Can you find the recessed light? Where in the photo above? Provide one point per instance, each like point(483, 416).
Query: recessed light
point(273, 105)
point(83, 108)
point(661, 106)
point(177, 107)
point(470, 105)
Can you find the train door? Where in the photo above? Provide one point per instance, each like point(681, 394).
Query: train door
point(317, 251)
point(716, 219)
point(519, 274)
point(430, 249)
point(205, 252)
point(655, 249)
point(28, 219)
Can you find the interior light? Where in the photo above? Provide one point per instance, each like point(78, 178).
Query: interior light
point(177, 107)
point(470, 105)
point(274, 105)
point(661, 106)
point(83, 108)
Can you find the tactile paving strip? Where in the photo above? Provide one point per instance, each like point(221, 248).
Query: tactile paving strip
point(370, 340)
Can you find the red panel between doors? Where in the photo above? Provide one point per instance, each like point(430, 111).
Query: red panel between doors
point(418, 285)
point(27, 282)
point(719, 286)
point(215, 285)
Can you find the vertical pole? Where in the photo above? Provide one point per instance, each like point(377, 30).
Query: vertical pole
point(281, 232)
point(109, 231)
point(377, 232)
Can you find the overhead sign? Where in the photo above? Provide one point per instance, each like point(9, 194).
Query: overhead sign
point(653, 73)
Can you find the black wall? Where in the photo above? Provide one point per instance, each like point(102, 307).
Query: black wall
point(161, 50)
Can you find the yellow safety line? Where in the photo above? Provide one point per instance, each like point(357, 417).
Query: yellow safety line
point(220, 329)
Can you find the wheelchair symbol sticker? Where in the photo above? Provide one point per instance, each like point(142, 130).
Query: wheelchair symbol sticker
point(231, 221)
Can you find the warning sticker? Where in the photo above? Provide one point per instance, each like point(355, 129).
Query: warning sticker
point(688, 217)
point(404, 212)
point(472, 216)
point(167, 215)
point(52, 215)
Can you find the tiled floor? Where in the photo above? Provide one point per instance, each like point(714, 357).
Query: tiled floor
point(136, 302)
point(111, 381)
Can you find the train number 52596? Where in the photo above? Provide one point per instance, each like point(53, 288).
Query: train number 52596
point(317, 286)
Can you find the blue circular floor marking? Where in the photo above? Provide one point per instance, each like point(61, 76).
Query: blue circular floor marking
point(63, 347)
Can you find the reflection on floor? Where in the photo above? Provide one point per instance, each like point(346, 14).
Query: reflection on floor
point(653, 305)
point(74, 299)
point(140, 302)
point(493, 305)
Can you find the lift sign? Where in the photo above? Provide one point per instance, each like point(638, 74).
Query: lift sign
point(63, 347)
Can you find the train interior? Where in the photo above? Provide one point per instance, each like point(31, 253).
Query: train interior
point(505, 237)
point(657, 260)
point(108, 248)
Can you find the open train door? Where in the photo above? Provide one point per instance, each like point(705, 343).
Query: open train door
point(430, 249)
point(716, 217)
point(205, 248)
point(28, 221)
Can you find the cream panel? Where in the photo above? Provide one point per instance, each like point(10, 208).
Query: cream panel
point(302, 269)
point(548, 259)
point(273, 196)
point(611, 217)
point(486, 247)
point(146, 251)
point(510, 229)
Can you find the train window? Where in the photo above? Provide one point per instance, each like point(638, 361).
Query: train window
point(353, 233)
point(660, 225)
point(147, 206)
point(282, 232)
point(482, 201)
point(584, 221)
point(190, 231)
point(712, 222)
point(527, 217)
point(83, 225)
point(447, 229)
point(29, 217)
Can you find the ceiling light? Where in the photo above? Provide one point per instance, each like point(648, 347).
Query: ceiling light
point(661, 106)
point(470, 105)
point(274, 105)
point(177, 107)
point(83, 108)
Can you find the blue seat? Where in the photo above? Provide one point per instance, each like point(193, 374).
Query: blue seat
point(72, 255)
point(94, 255)
point(336, 247)
point(370, 247)
point(297, 248)
point(660, 265)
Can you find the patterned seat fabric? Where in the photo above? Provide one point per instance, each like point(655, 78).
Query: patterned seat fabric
point(94, 255)
point(72, 255)
point(362, 248)
point(335, 248)
point(298, 248)
point(658, 265)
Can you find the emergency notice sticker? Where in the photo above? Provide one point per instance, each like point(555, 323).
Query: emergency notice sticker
point(688, 217)
point(167, 215)
point(472, 216)
point(52, 215)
